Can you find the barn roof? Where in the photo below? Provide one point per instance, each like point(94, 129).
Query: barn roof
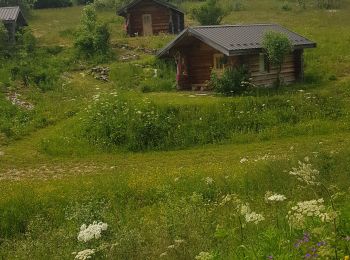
point(235, 39)
point(11, 14)
point(122, 11)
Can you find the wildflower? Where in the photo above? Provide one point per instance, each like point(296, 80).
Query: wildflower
point(298, 215)
point(171, 247)
point(243, 160)
point(163, 254)
point(226, 199)
point(209, 180)
point(204, 256)
point(270, 257)
point(85, 254)
point(305, 173)
point(92, 231)
point(271, 197)
point(251, 216)
point(254, 217)
point(179, 241)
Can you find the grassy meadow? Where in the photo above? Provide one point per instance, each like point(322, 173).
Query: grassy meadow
point(178, 175)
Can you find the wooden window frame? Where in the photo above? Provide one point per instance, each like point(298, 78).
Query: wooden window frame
point(264, 63)
point(215, 64)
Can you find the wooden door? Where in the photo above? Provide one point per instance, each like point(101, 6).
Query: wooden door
point(147, 24)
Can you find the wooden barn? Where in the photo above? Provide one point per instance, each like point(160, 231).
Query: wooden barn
point(13, 19)
point(199, 51)
point(151, 17)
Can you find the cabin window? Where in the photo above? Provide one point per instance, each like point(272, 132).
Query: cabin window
point(264, 64)
point(219, 61)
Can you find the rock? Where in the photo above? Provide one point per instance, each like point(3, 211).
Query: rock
point(100, 73)
point(15, 99)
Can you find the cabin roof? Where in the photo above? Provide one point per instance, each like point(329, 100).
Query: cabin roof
point(122, 11)
point(11, 14)
point(235, 39)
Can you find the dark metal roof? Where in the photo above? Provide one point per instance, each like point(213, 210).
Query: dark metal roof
point(122, 11)
point(11, 14)
point(236, 39)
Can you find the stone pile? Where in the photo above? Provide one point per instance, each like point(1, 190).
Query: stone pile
point(16, 100)
point(133, 48)
point(129, 57)
point(100, 73)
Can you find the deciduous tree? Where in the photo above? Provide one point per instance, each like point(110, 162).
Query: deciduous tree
point(277, 46)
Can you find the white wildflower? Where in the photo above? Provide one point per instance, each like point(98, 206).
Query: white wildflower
point(305, 173)
point(92, 231)
point(243, 160)
point(226, 199)
point(245, 209)
point(85, 254)
point(254, 217)
point(271, 197)
point(179, 241)
point(251, 216)
point(204, 256)
point(209, 180)
point(299, 214)
point(171, 247)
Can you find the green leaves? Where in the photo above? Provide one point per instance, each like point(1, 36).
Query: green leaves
point(208, 14)
point(92, 37)
point(277, 46)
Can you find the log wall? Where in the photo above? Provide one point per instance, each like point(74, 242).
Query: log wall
point(200, 62)
point(291, 69)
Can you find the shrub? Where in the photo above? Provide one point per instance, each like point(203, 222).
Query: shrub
point(82, 2)
point(286, 7)
point(156, 85)
point(231, 82)
point(122, 122)
point(100, 4)
point(208, 14)
point(92, 37)
point(3, 37)
point(238, 6)
point(39, 4)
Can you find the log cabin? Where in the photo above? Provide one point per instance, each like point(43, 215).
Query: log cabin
point(201, 50)
point(151, 17)
point(13, 19)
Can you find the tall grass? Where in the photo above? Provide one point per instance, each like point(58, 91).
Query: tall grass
point(145, 217)
point(138, 124)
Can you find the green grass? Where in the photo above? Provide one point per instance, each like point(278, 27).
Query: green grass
point(52, 180)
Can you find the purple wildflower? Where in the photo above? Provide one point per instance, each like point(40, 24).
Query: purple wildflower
point(321, 243)
point(308, 255)
point(270, 257)
point(306, 237)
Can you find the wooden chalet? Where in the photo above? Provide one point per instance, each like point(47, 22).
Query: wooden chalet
point(151, 17)
point(13, 19)
point(201, 50)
